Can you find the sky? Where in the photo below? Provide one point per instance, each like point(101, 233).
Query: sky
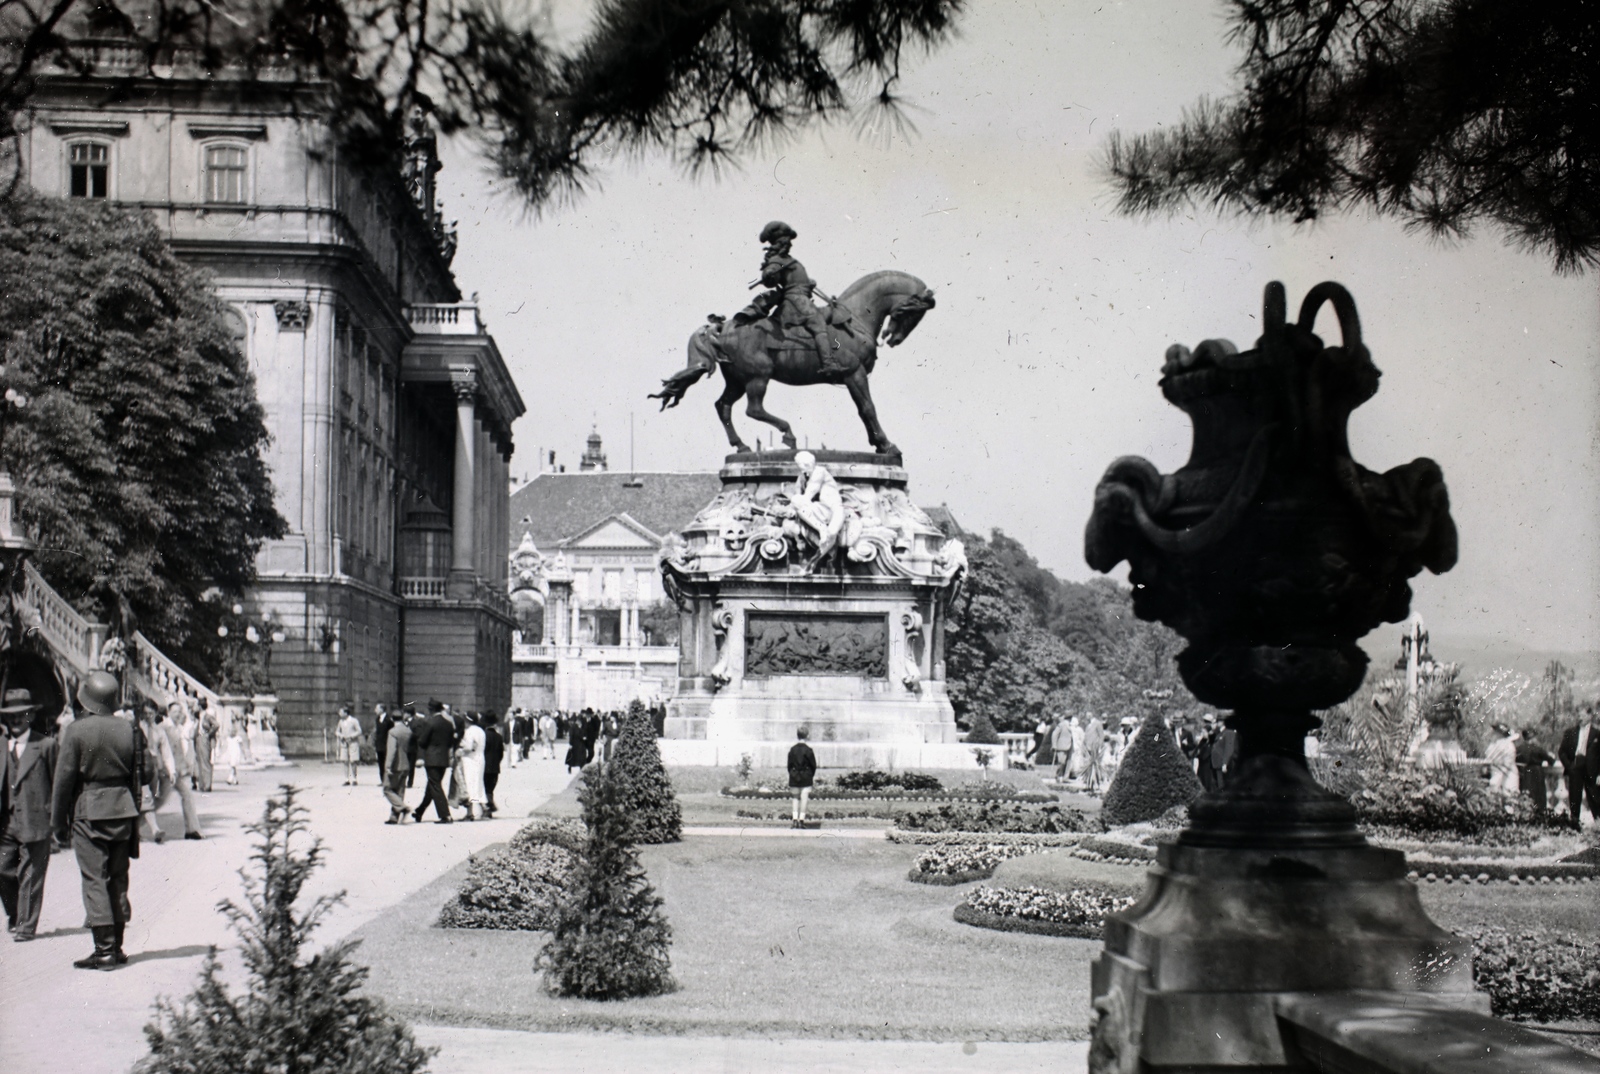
point(1039, 365)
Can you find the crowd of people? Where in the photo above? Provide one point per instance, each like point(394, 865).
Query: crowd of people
point(461, 753)
point(1081, 748)
point(1520, 764)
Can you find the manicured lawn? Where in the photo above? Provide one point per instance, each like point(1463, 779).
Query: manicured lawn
point(788, 937)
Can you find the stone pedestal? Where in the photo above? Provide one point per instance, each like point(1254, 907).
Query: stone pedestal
point(1240, 912)
point(838, 629)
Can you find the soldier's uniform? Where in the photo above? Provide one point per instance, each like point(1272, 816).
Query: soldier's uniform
point(790, 298)
point(97, 806)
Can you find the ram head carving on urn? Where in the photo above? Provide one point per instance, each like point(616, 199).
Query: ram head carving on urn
point(1272, 551)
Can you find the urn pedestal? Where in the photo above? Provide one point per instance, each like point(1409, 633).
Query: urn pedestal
point(826, 612)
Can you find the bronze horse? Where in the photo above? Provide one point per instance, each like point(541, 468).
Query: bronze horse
point(882, 306)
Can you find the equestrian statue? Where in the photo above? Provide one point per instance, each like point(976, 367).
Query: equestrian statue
point(782, 336)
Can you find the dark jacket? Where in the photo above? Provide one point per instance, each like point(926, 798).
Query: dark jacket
point(1568, 751)
point(96, 773)
point(494, 749)
point(802, 765)
point(436, 740)
point(25, 787)
point(380, 737)
point(399, 756)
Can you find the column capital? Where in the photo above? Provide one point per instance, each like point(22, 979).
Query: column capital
point(464, 382)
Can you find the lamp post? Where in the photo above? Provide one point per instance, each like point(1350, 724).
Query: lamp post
point(1271, 552)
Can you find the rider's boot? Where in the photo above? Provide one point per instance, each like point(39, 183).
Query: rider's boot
point(829, 352)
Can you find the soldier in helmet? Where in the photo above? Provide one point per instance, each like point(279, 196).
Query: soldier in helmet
point(790, 297)
point(96, 808)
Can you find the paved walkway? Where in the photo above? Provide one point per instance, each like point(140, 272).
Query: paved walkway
point(57, 1020)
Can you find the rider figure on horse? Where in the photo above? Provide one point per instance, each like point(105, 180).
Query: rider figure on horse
point(791, 295)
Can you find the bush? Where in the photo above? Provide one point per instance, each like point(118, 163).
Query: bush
point(1152, 777)
point(1080, 912)
point(610, 939)
point(520, 886)
point(305, 1016)
point(995, 817)
point(982, 732)
point(1438, 800)
point(874, 780)
point(1537, 976)
point(652, 803)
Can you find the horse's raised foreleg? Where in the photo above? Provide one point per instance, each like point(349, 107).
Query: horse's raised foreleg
point(730, 395)
point(862, 394)
point(756, 391)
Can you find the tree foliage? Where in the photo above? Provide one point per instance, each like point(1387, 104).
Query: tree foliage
point(703, 79)
point(138, 459)
point(296, 1016)
point(1023, 643)
point(1443, 113)
point(610, 939)
point(653, 805)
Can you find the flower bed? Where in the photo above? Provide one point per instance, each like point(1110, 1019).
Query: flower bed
point(1440, 800)
point(1039, 839)
point(1079, 913)
point(962, 863)
point(873, 780)
point(825, 793)
point(1517, 872)
point(995, 817)
point(1117, 851)
point(815, 814)
point(1539, 976)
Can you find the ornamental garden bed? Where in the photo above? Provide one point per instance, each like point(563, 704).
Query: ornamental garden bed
point(940, 838)
point(996, 817)
point(826, 793)
point(962, 863)
point(1079, 912)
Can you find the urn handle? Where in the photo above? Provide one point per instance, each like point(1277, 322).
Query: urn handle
point(1343, 305)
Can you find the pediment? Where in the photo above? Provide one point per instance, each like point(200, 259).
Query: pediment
point(618, 531)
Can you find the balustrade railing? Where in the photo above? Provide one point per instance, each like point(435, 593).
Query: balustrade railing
point(167, 677)
point(74, 638)
point(422, 588)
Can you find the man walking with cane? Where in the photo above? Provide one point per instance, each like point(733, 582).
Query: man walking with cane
point(96, 808)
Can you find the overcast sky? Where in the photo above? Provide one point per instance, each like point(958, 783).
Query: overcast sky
point(1040, 364)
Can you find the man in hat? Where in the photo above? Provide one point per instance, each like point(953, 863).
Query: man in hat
point(96, 808)
point(790, 298)
point(398, 760)
point(27, 774)
point(435, 744)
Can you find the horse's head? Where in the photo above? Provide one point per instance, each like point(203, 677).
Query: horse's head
point(905, 316)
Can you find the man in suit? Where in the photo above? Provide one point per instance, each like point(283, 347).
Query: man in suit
point(494, 750)
point(205, 741)
point(96, 808)
point(398, 759)
point(181, 775)
point(382, 724)
point(27, 774)
point(435, 743)
point(1580, 757)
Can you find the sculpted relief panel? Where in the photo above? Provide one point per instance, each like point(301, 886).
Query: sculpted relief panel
point(800, 644)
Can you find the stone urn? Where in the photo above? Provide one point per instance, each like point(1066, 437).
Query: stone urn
point(1272, 551)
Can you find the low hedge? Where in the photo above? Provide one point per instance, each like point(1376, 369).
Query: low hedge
point(1080, 912)
point(873, 779)
point(961, 863)
point(1443, 801)
point(519, 885)
point(825, 793)
point(996, 817)
point(1096, 848)
point(1516, 872)
point(1538, 975)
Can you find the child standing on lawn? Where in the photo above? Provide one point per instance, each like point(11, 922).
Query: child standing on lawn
point(802, 770)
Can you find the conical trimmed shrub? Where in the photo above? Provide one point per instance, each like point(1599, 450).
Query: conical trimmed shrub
point(610, 939)
point(1152, 777)
point(982, 732)
point(652, 803)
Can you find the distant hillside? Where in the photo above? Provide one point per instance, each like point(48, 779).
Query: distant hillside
point(1478, 655)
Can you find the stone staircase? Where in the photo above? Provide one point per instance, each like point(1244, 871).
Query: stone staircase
point(79, 644)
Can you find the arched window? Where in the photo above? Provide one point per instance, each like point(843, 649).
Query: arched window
point(225, 174)
point(89, 167)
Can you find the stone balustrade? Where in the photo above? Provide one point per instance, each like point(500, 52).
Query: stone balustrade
point(75, 638)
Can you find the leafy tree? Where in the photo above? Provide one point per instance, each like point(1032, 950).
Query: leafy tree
point(1557, 710)
point(138, 459)
point(610, 939)
point(653, 805)
point(703, 79)
point(297, 1016)
point(1444, 113)
point(659, 621)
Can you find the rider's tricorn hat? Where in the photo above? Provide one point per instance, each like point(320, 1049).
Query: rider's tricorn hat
point(778, 230)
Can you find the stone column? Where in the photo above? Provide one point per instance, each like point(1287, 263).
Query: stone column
point(462, 542)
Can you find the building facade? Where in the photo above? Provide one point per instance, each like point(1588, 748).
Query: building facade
point(389, 405)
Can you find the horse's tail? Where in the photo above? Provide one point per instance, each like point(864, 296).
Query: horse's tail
point(702, 360)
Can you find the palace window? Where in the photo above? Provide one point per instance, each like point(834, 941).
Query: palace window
point(90, 164)
point(225, 167)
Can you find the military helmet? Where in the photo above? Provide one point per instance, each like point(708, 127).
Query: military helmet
point(98, 693)
point(777, 230)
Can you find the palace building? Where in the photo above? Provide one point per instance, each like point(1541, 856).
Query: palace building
point(389, 404)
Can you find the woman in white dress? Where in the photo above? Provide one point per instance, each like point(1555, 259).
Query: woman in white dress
point(228, 744)
point(473, 741)
point(349, 735)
